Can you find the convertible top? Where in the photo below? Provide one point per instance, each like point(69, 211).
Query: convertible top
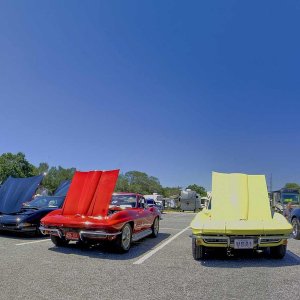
point(16, 191)
point(90, 193)
point(240, 197)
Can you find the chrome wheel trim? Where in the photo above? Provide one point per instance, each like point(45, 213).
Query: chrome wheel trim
point(126, 237)
point(156, 226)
point(295, 228)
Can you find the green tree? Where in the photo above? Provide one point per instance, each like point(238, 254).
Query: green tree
point(122, 184)
point(55, 176)
point(292, 185)
point(15, 165)
point(138, 182)
point(171, 191)
point(198, 189)
point(42, 168)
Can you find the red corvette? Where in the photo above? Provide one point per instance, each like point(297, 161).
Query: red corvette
point(91, 213)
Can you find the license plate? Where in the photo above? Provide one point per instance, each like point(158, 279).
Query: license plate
point(243, 244)
point(72, 236)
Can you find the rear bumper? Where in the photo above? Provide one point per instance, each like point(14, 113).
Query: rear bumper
point(83, 234)
point(227, 241)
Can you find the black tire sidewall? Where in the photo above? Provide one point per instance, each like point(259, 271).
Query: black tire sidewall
point(121, 241)
point(155, 234)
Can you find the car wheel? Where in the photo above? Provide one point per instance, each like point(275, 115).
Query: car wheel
point(59, 242)
point(155, 227)
point(198, 250)
point(296, 229)
point(123, 240)
point(278, 252)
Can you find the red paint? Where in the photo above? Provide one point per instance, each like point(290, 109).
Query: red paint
point(87, 207)
point(102, 197)
point(81, 192)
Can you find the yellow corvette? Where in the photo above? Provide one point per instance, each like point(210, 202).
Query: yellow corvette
point(239, 217)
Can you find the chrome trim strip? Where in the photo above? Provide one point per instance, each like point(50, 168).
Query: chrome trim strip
point(103, 234)
point(206, 239)
point(271, 239)
point(140, 235)
point(43, 229)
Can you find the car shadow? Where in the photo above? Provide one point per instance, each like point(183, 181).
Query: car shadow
point(21, 235)
point(249, 259)
point(107, 251)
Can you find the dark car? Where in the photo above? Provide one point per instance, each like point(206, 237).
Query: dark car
point(15, 191)
point(295, 220)
point(28, 218)
point(152, 203)
point(159, 206)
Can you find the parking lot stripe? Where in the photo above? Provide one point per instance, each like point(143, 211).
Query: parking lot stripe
point(149, 254)
point(294, 256)
point(26, 243)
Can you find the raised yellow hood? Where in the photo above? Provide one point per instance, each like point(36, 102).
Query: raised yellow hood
point(239, 205)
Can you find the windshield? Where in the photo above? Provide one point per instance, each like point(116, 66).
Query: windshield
point(287, 197)
point(150, 201)
point(43, 202)
point(124, 200)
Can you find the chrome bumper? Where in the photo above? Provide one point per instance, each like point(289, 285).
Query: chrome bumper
point(45, 231)
point(96, 234)
point(82, 233)
point(229, 240)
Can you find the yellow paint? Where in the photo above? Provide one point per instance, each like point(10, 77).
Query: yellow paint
point(239, 206)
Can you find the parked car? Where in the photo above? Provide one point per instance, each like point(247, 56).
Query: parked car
point(91, 213)
point(159, 207)
point(295, 220)
point(29, 217)
point(239, 217)
point(152, 203)
point(15, 191)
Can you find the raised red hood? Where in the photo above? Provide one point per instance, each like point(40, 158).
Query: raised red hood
point(90, 193)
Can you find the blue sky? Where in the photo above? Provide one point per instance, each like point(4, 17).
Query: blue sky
point(176, 89)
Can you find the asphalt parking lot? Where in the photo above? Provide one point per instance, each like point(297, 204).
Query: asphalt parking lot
point(161, 268)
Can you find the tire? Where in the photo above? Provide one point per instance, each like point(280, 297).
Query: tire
point(278, 252)
point(296, 229)
point(123, 240)
point(59, 242)
point(155, 227)
point(198, 251)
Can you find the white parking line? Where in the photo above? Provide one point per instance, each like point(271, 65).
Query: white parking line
point(149, 254)
point(26, 243)
point(294, 256)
